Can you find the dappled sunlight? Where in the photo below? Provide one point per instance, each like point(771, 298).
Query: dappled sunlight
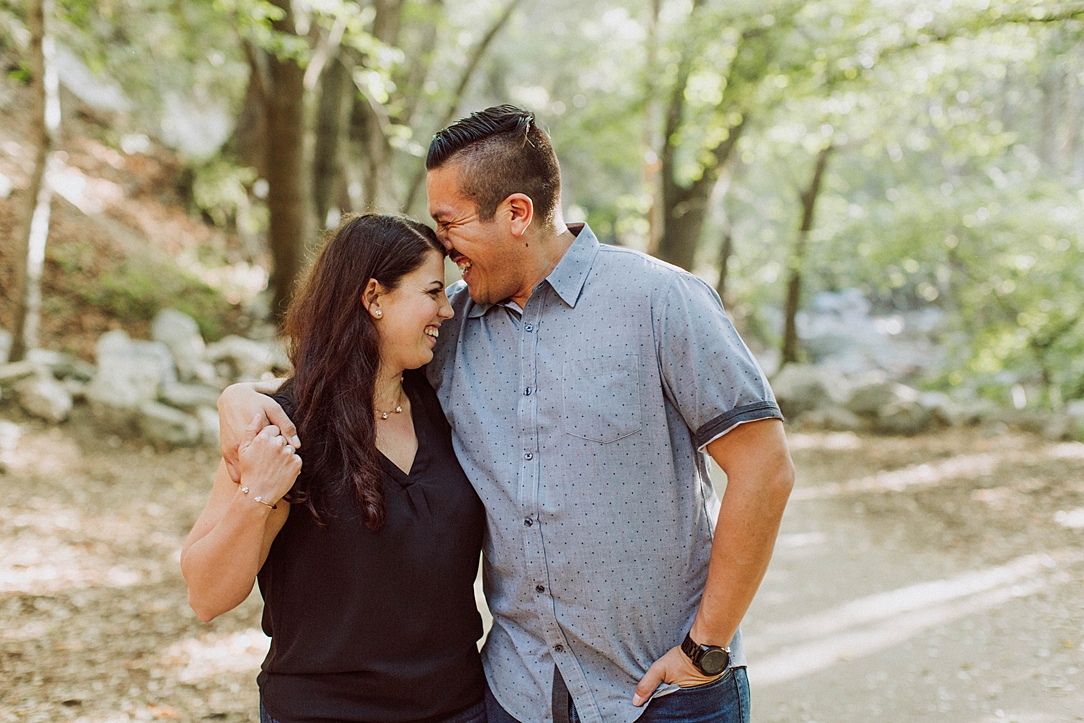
point(824, 440)
point(39, 564)
point(212, 654)
point(875, 622)
point(42, 454)
point(89, 194)
point(960, 467)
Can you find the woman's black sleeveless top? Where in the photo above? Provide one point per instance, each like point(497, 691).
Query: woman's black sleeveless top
point(379, 626)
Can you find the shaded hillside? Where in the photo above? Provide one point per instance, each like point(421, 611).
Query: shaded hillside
point(122, 244)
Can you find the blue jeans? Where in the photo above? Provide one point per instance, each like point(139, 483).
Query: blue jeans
point(474, 714)
point(725, 700)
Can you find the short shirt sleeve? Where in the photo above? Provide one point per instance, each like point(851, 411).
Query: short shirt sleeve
point(709, 374)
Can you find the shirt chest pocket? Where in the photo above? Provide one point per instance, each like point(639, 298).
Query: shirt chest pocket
point(601, 398)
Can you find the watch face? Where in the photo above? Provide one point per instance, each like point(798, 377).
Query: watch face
point(713, 662)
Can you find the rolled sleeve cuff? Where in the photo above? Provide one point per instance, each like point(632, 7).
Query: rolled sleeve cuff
point(739, 415)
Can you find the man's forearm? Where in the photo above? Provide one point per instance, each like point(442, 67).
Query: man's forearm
point(758, 485)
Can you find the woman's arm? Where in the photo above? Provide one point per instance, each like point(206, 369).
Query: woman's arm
point(231, 538)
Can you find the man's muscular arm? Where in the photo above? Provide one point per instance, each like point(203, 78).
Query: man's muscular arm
point(237, 406)
point(760, 476)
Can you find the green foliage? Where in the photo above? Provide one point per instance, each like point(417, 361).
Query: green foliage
point(139, 289)
point(20, 73)
point(956, 178)
point(221, 190)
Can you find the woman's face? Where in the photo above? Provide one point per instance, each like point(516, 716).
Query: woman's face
point(411, 315)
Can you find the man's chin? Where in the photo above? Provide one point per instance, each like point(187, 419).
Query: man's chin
point(477, 295)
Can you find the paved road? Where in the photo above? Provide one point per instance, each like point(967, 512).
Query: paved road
point(928, 592)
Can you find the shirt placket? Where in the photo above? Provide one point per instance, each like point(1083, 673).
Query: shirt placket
point(533, 527)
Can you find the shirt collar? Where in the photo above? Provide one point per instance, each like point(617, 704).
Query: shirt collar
point(568, 277)
point(572, 270)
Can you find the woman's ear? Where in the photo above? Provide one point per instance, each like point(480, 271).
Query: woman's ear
point(370, 298)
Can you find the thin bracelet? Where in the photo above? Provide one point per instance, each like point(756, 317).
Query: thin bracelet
point(266, 504)
point(244, 491)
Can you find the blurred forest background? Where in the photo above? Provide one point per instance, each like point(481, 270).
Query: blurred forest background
point(919, 160)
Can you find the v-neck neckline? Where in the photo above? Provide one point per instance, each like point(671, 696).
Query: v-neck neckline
point(408, 478)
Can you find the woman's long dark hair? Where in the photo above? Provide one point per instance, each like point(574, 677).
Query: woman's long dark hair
point(335, 351)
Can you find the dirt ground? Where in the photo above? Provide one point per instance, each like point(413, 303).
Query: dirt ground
point(94, 625)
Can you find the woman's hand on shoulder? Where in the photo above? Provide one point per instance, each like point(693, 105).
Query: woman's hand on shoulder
point(269, 463)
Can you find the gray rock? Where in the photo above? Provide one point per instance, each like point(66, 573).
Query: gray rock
point(5, 346)
point(833, 419)
point(1060, 427)
point(43, 396)
point(11, 373)
point(975, 412)
point(803, 387)
point(76, 388)
point(130, 372)
point(1025, 420)
point(903, 418)
point(208, 422)
point(62, 366)
point(180, 333)
point(9, 439)
point(941, 407)
point(245, 359)
point(188, 396)
point(870, 394)
point(166, 425)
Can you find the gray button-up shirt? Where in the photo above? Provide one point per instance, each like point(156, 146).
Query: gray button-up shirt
point(581, 420)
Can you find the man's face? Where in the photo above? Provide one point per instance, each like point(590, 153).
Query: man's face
point(485, 252)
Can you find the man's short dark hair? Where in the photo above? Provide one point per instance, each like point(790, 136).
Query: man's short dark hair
point(501, 151)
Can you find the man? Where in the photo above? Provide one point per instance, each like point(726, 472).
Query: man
point(583, 383)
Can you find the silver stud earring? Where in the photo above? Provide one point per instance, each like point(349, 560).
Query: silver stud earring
point(378, 313)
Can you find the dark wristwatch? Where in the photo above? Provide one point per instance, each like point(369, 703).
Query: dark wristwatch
point(708, 659)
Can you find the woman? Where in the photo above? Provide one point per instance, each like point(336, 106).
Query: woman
point(367, 554)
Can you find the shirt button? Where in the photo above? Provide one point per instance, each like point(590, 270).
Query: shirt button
point(527, 392)
point(558, 648)
point(528, 456)
point(529, 327)
point(540, 588)
point(528, 522)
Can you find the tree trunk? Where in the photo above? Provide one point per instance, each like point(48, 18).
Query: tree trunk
point(336, 93)
point(249, 140)
point(725, 252)
point(288, 196)
point(685, 208)
point(797, 256)
point(369, 120)
point(421, 63)
point(33, 226)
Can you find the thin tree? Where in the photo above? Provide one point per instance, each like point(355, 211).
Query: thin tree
point(797, 256)
point(288, 193)
point(34, 225)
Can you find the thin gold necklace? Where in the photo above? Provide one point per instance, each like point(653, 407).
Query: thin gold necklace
point(398, 407)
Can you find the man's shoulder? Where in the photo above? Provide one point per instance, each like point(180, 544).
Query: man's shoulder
point(458, 296)
point(637, 269)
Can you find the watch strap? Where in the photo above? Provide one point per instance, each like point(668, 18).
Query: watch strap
point(695, 652)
